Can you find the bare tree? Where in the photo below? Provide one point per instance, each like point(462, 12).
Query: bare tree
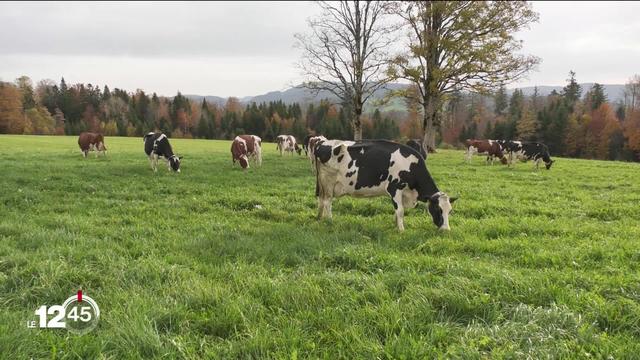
point(632, 93)
point(460, 45)
point(346, 53)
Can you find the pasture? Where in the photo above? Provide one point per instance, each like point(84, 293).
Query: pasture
point(215, 262)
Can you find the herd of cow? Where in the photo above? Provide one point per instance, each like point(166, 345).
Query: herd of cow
point(366, 168)
point(517, 150)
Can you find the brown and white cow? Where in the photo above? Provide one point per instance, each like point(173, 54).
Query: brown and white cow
point(245, 148)
point(287, 143)
point(491, 148)
point(89, 141)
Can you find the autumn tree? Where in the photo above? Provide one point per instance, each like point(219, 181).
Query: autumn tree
point(11, 117)
point(461, 45)
point(528, 126)
point(346, 53)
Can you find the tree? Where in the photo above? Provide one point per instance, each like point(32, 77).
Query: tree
point(26, 88)
point(595, 96)
point(500, 99)
point(11, 117)
point(527, 127)
point(461, 45)
point(346, 53)
point(572, 90)
point(632, 93)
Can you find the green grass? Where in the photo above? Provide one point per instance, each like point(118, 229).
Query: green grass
point(537, 264)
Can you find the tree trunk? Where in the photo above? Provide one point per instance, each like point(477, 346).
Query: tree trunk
point(429, 126)
point(357, 124)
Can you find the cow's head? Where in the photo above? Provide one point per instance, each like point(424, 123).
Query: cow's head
point(439, 208)
point(244, 161)
point(548, 164)
point(174, 162)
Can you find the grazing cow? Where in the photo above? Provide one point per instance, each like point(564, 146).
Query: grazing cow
point(156, 145)
point(376, 168)
point(525, 151)
point(491, 148)
point(89, 141)
point(245, 148)
point(287, 143)
point(417, 145)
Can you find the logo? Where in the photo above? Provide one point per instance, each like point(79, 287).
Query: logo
point(79, 314)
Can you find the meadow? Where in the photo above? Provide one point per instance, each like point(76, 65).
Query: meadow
point(219, 263)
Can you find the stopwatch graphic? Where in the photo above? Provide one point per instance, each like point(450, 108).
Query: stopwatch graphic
point(79, 314)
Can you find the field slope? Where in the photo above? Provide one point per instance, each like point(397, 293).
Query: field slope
point(219, 263)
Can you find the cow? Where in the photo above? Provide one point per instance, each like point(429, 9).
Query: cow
point(305, 144)
point(372, 168)
point(245, 148)
point(417, 145)
point(89, 141)
point(287, 143)
point(491, 148)
point(525, 151)
point(156, 145)
point(311, 144)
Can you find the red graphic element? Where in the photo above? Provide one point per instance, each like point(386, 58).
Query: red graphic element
point(79, 295)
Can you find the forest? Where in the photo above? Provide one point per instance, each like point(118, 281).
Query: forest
point(574, 122)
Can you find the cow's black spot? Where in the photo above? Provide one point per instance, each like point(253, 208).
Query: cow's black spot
point(350, 183)
point(350, 173)
point(340, 158)
point(336, 151)
point(391, 163)
point(351, 164)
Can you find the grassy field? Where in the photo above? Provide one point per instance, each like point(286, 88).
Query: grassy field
point(537, 264)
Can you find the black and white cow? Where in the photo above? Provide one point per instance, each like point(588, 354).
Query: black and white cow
point(525, 151)
point(376, 168)
point(311, 145)
point(156, 145)
point(417, 145)
point(287, 143)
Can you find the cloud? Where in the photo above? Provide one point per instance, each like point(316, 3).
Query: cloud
point(144, 29)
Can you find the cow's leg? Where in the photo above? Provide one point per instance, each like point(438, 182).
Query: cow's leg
point(397, 204)
point(151, 162)
point(537, 163)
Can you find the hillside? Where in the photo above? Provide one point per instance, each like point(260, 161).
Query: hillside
point(614, 92)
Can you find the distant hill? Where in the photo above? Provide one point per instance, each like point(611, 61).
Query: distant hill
point(210, 99)
point(298, 94)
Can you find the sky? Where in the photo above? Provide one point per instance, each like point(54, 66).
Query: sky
point(246, 48)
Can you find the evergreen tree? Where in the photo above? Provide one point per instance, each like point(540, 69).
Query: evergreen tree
point(500, 100)
point(572, 90)
point(106, 94)
point(596, 96)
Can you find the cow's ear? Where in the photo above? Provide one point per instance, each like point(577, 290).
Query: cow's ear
point(434, 197)
point(179, 157)
point(453, 199)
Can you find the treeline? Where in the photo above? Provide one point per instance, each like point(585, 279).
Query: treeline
point(50, 108)
point(571, 123)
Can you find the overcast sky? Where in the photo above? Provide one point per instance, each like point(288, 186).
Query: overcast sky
point(241, 49)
